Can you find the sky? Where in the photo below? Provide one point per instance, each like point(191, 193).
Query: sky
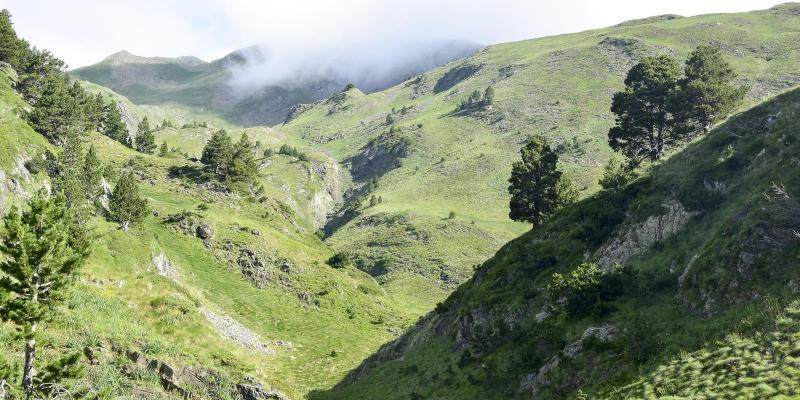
point(83, 32)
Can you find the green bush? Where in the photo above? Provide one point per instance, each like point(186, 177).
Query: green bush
point(340, 260)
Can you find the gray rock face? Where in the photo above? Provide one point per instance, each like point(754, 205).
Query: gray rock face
point(324, 202)
point(257, 392)
point(632, 239)
point(535, 381)
point(165, 267)
point(255, 269)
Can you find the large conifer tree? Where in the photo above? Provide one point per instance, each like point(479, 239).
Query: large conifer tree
point(644, 124)
point(217, 152)
point(126, 205)
point(537, 188)
point(706, 93)
point(243, 166)
point(145, 140)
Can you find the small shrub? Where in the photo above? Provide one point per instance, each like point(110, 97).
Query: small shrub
point(340, 260)
point(452, 215)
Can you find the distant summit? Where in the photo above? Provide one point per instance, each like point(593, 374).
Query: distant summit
point(126, 57)
point(256, 86)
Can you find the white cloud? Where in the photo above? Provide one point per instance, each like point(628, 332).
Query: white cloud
point(84, 31)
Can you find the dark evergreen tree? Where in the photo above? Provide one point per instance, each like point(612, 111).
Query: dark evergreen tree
point(113, 126)
point(164, 149)
point(10, 45)
point(145, 140)
point(243, 166)
point(488, 96)
point(93, 109)
point(56, 111)
point(706, 93)
point(537, 188)
point(70, 182)
point(126, 204)
point(92, 174)
point(217, 152)
point(644, 124)
point(37, 69)
point(43, 249)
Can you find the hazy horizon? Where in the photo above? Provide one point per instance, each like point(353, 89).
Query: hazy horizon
point(84, 32)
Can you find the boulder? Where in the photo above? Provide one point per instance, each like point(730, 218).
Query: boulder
point(204, 230)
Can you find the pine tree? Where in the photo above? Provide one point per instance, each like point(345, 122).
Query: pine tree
point(164, 149)
point(217, 152)
point(243, 166)
point(92, 173)
point(706, 94)
point(43, 249)
point(126, 204)
point(145, 140)
point(56, 111)
point(488, 96)
point(10, 45)
point(644, 125)
point(35, 70)
point(93, 109)
point(113, 126)
point(537, 188)
point(70, 182)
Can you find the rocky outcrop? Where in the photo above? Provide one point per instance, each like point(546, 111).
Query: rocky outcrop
point(255, 269)
point(255, 391)
point(232, 330)
point(379, 156)
point(534, 382)
point(632, 239)
point(204, 231)
point(189, 382)
point(18, 183)
point(325, 202)
point(165, 267)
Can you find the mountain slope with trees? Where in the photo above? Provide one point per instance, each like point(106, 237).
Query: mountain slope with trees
point(682, 282)
point(434, 145)
point(193, 284)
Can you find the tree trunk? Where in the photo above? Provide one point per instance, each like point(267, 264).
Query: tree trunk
point(28, 372)
point(125, 226)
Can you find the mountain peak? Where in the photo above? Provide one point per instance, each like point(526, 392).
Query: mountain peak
point(126, 57)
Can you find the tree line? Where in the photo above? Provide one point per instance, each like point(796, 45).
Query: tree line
point(59, 104)
point(46, 243)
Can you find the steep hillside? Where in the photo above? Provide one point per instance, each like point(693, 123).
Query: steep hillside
point(205, 90)
point(429, 158)
point(692, 291)
point(215, 292)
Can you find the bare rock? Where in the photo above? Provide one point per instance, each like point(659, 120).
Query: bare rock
point(204, 230)
point(255, 269)
point(632, 239)
point(165, 267)
point(232, 330)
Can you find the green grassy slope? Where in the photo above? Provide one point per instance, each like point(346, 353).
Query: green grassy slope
point(704, 310)
point(558, 86)
point(319, 321)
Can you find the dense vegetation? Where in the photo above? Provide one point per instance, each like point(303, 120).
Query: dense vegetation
point(234, 261)
point(679, 283)
point(460, 160)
